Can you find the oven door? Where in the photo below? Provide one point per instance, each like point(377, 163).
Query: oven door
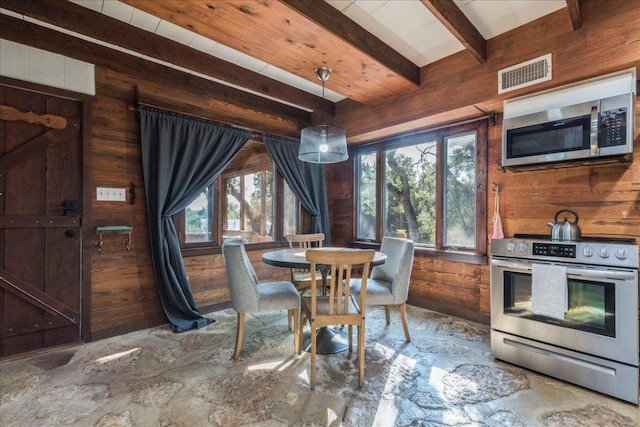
point(602, 309)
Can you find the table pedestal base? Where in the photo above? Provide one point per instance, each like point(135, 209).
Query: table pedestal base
point(328, 341)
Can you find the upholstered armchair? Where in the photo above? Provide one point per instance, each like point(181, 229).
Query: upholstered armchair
point(388, 284)
point(250, 296)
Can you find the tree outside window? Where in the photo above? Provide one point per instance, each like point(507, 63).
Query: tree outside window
point(249, 212)
point(459, 192)
point(198, 218)
point(423, 186)
point(367, 172)
point(291, 210)
point(410, 193)
point(249, 200)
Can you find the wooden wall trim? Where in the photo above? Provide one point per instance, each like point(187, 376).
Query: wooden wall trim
point(48, 90)
point(87, 213)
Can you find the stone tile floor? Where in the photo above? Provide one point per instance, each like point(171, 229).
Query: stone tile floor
point(445, 376)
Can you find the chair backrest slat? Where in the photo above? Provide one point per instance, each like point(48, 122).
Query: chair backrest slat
point(342, 262)
point(305, 240)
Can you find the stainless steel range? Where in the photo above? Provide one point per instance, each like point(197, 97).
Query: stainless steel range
point(568, 310)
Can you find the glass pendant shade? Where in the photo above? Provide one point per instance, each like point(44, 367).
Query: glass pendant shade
point(323, 144)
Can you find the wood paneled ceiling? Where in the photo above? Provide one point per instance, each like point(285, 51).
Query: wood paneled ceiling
point(270, 48)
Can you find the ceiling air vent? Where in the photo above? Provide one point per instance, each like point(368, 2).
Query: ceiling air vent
point(525, 74)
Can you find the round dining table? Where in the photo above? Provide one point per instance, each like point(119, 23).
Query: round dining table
point(329, 340)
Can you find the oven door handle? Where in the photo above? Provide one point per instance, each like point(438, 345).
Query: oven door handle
point(601, 274)
point(518, 266)
point(576, 272)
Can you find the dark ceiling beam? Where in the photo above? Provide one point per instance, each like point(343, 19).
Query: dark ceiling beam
point(332, 20)
point(574, 13)
point(459, 25)
point(85, 21)
point(20, 31)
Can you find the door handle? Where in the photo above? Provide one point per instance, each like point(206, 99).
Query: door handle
point(70, 208)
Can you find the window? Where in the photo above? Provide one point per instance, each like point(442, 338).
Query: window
point(199, 218)
point(410, 192)
point(291, 211)
point(426, 186)
point(248, 210)
point(460, 191)
point(249, 200)
point(367, 172)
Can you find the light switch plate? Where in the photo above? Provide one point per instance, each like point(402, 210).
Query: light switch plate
point(111, 194)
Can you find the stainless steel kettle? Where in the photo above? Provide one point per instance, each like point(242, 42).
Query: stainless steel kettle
point(565, 230)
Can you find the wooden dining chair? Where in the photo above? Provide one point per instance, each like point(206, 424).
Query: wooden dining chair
point(250, 296)
point(388, 285)
point(302, 278)
point(339, 307)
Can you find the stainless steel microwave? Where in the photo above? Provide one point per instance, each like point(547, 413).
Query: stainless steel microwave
point(594, 130)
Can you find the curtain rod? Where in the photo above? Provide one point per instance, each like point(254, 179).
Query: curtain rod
point(255, 135)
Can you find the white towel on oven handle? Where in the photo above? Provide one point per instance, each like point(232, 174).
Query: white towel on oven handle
point(549, 290)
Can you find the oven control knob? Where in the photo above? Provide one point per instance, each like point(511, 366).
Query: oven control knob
point(511, 246)
point(522, 247)
point(604, 253)
point(587, 251)
point(621, 254)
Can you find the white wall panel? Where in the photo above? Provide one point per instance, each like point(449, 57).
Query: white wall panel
point(46, 68)
point(26, 63)
point(14, 60)
point(79, 76)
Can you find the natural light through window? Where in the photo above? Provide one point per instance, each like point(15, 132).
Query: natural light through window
point(249, 210)
point(410, 192)
point(424, 187)
point(460, 191)
point(401, 367)
point(250, 199)
point(198, 216)
point(115, 356)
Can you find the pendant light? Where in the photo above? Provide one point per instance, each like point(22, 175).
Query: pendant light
point(323, 143)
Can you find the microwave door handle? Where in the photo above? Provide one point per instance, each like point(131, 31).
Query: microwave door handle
point(593, 131)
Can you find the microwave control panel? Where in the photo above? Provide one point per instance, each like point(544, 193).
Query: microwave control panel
point(554, 249)
point(613, 128)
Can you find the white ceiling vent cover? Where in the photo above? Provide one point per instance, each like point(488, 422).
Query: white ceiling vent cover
point(526, 73)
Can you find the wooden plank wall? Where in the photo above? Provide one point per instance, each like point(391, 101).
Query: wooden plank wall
point(123, 290)
point(606, 198)
point(124, 296)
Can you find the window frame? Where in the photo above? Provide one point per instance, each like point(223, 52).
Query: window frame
point(219, 204)
point(476, 255)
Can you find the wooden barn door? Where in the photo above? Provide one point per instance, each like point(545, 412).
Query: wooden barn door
point(40, 219)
